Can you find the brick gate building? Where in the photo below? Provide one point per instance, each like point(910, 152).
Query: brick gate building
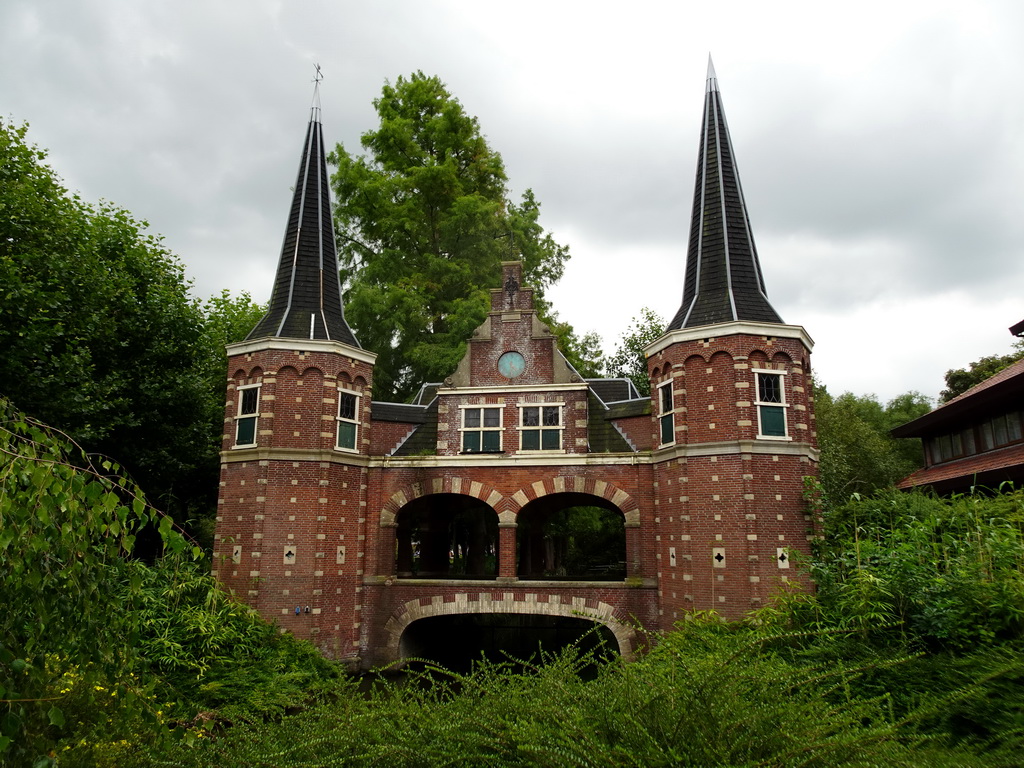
point(347, 520)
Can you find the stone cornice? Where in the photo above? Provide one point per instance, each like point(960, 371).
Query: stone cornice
point(512, 390)
point(731, 447)
point(738, 328)
point(724, 448)
point(300, 345)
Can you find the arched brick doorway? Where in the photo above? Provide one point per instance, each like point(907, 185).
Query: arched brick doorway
point(572, 536)
point(542, 605)
point(446, 535)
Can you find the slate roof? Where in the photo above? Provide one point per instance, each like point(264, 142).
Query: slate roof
point(989, 469)
point(602, 436)
point(723, 280)
point(401, 412)
point(613, 390)
point(306, 300)
point(1005, 386)
point(424, 440)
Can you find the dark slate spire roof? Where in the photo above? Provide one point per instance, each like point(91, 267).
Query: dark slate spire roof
point(306, 302)
point(723, 276)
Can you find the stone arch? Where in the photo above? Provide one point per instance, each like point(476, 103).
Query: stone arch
point(462, 603)
point(312, 370)
point(578, 484)
point(457, 485)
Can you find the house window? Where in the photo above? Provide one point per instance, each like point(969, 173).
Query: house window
point(481, 430)
point(1013, 426)
point(771, 405)
point(666, 420)
point(248, 415)
point(541, 427)
point(348, 421)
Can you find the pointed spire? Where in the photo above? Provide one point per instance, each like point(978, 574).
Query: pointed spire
point(306, 301)
point(723, 280)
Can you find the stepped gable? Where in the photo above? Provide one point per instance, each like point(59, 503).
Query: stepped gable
point(723, 276)
point(306, 300)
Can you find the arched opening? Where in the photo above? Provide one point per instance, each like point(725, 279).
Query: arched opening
point(456, 641)
point(573, 536)
point(447, 536)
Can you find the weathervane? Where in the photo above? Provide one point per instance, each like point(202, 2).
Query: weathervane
point(511, 286)
point(316, 92)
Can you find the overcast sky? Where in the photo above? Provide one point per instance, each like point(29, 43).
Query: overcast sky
point(880, 144)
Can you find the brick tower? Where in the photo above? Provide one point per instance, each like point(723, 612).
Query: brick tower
point(291, 511)
point(732, 409)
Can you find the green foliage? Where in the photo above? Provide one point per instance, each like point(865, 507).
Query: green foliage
point(584, 352)
point(68, 592)
point(629, 359)
point(909, 654)
point(100, 337)
point(423, 222)
point(950, 571)
point(858, 455)
point(709, 694)
point(590, 541)
point(959, 380)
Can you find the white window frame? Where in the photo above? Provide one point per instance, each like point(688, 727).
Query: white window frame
point(782, 403)
point(345, 420)
point(541, 428)
point(668, 415)
point(243, 418)
point(481, 429)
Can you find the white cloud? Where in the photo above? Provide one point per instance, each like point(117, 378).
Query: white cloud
point(879, 144)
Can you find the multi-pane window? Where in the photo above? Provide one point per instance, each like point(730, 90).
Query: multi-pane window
point(248, 415)
point(993, 433)
point(541, 428)
point(348, 420)
point(666, 421)
point(771, 405)
point(481, 430)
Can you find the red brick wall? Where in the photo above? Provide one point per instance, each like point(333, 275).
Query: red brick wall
point(741, 497)
point(719, 487)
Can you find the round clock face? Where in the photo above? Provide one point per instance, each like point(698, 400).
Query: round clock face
point(511, 364)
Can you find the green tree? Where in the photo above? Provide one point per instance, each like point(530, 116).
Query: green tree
point(858, 455)
point(423, 222)
point(629, 359)
point(959, 380)
point(99, 336)
point(65, 523)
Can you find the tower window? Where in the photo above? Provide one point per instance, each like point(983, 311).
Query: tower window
point(348, 420)
point(541, 427)
point(771, 405)
point(481, 430)
point(666, 420)
point(248, 415)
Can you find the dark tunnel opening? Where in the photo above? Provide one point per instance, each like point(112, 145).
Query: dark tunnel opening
point(457, 642)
